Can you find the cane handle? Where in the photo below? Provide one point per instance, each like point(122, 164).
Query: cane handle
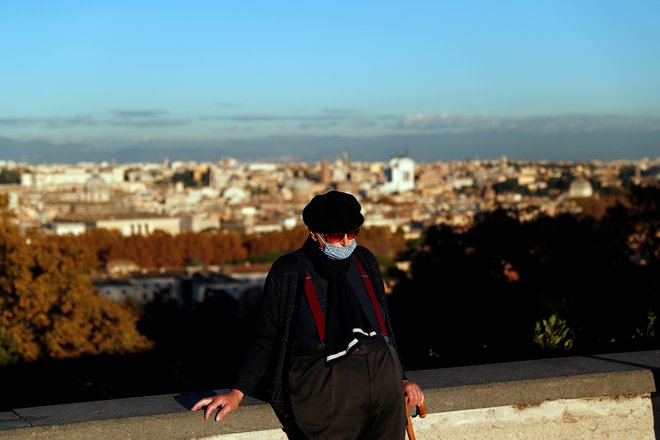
point(421, 412)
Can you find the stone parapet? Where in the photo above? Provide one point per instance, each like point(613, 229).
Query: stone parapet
point(586, 397)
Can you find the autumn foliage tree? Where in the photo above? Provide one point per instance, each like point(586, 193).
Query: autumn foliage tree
point(49, 308)
point(161, 249)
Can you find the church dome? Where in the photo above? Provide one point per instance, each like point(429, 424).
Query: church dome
point(300, 184)
point(96, 190)
point(95, 182)
point(580, 187)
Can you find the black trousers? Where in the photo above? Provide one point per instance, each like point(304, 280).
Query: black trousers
point(356, 397)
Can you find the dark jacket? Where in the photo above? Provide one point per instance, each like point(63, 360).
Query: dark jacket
point(264, 371)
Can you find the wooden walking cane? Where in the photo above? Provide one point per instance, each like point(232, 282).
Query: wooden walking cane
point(421, 411)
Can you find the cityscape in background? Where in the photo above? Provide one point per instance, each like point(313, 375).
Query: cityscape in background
point(257, 197)
point(140, 199)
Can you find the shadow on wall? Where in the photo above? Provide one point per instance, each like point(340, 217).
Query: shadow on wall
point(202, 367)
point(187, 400)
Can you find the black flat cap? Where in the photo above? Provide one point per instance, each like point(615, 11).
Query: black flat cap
point(333, 211)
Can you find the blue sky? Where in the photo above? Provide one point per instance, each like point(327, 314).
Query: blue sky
point(124, 71)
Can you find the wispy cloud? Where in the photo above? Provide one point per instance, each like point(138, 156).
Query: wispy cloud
point(144, 119)
point(249, 117)
point(346, 119)
point(325, 119)
point(450, 123)
point(115, 118)
point(139, 114)
point(54, 123)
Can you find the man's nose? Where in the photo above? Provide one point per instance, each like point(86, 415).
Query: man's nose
point(345, 240)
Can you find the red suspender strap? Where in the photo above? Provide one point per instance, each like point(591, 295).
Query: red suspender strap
point(313, 301)
point(314, 305)
point(372, 295)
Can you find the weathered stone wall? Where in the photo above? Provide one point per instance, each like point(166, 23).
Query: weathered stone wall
point(596, 397)
point(622, 418)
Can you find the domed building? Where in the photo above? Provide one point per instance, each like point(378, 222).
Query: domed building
point(96, 190)
point(301, 189)
point(579, 188)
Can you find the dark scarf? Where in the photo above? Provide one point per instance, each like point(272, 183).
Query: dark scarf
point(343, 311)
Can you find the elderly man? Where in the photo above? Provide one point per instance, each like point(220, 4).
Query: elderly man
point(323, 350)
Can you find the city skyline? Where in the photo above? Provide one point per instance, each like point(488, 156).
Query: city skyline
point(548, 80)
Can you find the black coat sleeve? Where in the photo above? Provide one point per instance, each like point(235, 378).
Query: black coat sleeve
point(258, 357)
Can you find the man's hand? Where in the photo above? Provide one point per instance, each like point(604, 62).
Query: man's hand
point(414, 393)
point(228, 402)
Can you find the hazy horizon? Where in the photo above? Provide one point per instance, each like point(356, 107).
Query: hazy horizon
point(580, 79)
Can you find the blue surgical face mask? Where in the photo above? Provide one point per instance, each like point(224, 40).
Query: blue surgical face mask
point(337, 252)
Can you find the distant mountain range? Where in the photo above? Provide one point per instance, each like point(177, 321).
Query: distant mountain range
point(575, 146)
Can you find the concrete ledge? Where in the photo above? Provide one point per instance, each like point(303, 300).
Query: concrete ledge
point(462, 391)
point(529, 382)
point(11, 420)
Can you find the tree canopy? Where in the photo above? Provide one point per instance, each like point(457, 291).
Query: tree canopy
point(49, 308)
point(489, 293)
point(161, 249)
